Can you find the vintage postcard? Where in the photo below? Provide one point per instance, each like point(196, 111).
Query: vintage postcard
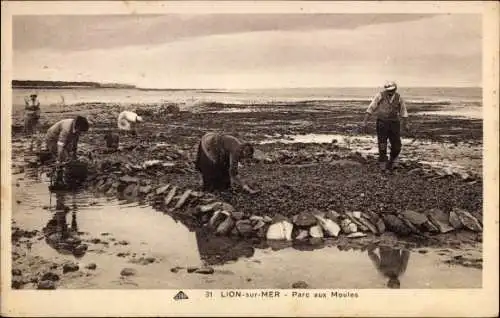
point(250, 158)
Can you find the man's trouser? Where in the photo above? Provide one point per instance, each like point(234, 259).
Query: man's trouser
point(388, 129)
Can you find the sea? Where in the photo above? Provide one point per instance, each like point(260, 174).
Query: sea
point(465, 101)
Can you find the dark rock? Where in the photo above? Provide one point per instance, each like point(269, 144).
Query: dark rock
point(468, 220)
point(226, 226)
point(440, 219)
point(411, 226)
point(333, 215)
point(431, 227)
point(395, 224)
point(244, 227)
point(17, 282)
point(380, 225)
point(304, 219)
point(16, 272)
point(455, 220)
point(300, 284)
point(205, 270)
point(70, 267)
point(123, 242)
point(128, 272)
point(191, 269)
point(261, 232)
point(279, 217)
point(80, 250)
point(50, 276)
point(46, 284)
point(176, 269)
point(131, 191)
point(235, 232)
point(414, 217)
point(369, 225)
point(91, 266)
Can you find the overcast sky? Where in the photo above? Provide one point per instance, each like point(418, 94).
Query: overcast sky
point(251, 50)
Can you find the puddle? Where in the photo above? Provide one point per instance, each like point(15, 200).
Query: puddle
point(237, 264)
point(460, 157)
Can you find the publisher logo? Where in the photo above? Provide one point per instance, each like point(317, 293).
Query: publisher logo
point(180, 295)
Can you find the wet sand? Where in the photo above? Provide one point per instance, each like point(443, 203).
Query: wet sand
point(440, 168)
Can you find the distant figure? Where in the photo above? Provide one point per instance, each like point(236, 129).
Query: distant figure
point(389, 107)
point(31, 117)
point(217, 160)
point(127, 121)
point(392, 263)
point(62, 137)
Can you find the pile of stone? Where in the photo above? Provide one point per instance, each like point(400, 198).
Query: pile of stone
point(224, 220)
point(135, 182)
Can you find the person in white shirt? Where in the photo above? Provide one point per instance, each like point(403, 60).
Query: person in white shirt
point(127, 121)
point(390, 109)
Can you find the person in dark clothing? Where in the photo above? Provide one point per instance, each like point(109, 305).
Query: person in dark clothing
point(392, 263)
point(389, 108)
point(217, 161)
point(31, 117)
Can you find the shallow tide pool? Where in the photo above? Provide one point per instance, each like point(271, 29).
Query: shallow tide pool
point(129, 228)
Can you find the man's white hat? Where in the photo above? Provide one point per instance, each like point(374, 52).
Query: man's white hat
point(390, 86)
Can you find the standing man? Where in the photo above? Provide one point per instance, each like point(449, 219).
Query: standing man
point(389, 108)
point(31, 117)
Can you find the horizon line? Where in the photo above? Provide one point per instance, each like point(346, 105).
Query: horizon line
point(234, 88)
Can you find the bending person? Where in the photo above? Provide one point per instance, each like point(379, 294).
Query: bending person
point(217, 161)
point(127, 121)
point(62, 137)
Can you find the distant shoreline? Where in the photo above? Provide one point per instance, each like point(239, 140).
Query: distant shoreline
point(33, 84)
point(39, 84)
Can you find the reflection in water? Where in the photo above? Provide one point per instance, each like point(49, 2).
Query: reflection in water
point(391, 262)
point(58, 235)
point(217, 250)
